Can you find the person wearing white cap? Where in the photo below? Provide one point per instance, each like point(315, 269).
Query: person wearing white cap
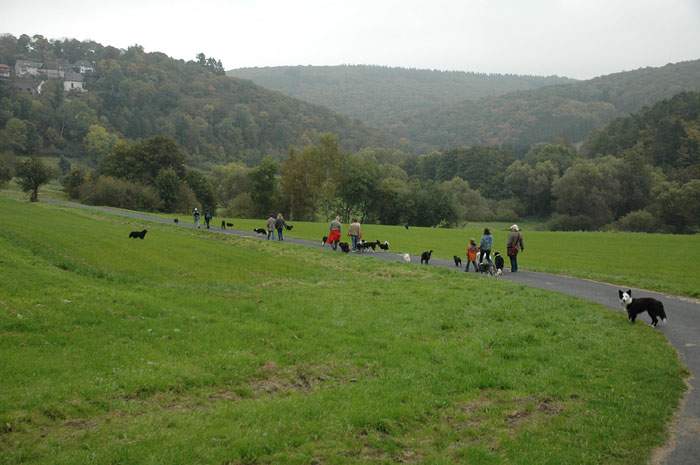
point(514, 245)
point(196, 215)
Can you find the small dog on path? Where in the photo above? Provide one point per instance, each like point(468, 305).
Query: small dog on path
point(458, 261)
point(425, 257)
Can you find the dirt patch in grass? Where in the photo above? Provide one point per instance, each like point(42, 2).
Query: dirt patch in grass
point(274, 380)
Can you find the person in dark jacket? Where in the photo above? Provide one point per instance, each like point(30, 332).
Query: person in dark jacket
point(279, 226)
point(207, 217)
point(514, 245)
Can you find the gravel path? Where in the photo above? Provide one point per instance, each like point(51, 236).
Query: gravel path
point(682, 330)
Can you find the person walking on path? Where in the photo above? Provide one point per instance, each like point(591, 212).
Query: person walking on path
point(207, 217)
point(472, 250)
point(271, 226)
point(195, 215)
point(485, 246)
point(334, 234)
point(355, 233)
point(279, 226)
point(513, 246)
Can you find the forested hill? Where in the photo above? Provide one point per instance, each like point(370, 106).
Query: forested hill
point(566, 112)
point(665, 135)
point(133, 94)
point(380, 96)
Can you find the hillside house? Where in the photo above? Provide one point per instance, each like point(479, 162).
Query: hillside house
point(27, 85)
point(4, 71)
point(27, 68)
point(83, 67)
point(73, 81)
point(54, 70)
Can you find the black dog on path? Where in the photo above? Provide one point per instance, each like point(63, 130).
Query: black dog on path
point(176, 221)
point(288, 227)
point(139, 234)
point(344, 246)
point(634, 307)
point(458, 261)
point(260, 231)
point(425, 257)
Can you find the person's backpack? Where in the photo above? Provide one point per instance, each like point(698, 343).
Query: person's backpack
point(513, 248)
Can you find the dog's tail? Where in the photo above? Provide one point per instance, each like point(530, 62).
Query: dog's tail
point(663, 313)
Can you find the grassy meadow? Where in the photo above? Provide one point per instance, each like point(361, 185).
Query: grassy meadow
point(189, 347)
point(663, 262)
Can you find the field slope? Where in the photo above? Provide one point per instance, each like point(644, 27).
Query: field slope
point(189, 347)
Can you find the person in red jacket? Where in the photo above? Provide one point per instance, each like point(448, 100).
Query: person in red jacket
point(472, 251)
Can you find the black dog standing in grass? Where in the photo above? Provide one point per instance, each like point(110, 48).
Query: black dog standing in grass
point(139, 234)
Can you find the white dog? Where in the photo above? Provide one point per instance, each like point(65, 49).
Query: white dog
point(406, 258)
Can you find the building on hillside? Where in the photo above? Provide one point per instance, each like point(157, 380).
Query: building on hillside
point(83, 67)
point(27, 85)
point(73, 82)
point(27, 68)
point(53, 70)
point(4, 71)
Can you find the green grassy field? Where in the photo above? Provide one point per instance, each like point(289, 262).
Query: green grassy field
point(664, 262)
point(190, 347)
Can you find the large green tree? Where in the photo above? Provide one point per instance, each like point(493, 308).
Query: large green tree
point(31, 175)
point(263, 183)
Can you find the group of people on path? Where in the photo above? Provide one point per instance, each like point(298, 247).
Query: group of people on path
point(275, 223)
point(334, 233)
point(207, 217)
point(514, 245)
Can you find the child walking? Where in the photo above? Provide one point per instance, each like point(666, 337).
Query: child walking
point(472, 250)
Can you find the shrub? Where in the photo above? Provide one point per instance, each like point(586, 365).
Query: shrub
point(6, 169)
point(637, 221)
point(106, 190)
point(73, 182)
point(240, 207)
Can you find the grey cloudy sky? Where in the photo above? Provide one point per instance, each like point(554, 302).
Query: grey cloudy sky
point(576, 38)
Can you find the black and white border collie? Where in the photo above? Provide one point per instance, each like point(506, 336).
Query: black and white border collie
point(634, 307)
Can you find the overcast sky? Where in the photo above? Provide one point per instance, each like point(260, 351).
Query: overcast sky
point(575, 38)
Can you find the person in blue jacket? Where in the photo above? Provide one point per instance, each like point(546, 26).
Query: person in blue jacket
point(485, 246)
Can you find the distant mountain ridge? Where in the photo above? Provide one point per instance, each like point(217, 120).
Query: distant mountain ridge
point(430, 110)
point(379, 95)
point(567, 112)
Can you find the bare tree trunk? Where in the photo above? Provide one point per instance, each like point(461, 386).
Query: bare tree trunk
point(34, 197)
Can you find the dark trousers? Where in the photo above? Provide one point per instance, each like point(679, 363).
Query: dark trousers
point(270, 234)
point(279, 234)
point(486, 253)
point(354, 239)
point(207, 220)
point(473, 263)
point(513, 263)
